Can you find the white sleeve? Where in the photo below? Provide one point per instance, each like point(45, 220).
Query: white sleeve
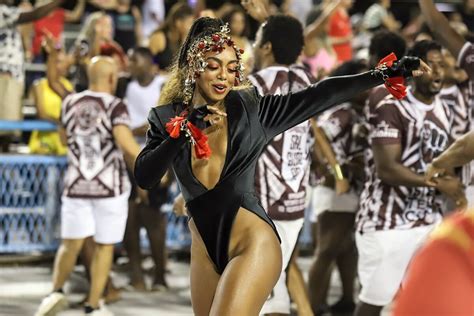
point(8, 16)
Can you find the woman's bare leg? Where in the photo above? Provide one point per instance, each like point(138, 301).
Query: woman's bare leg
point(253, 269)
point(204, 278)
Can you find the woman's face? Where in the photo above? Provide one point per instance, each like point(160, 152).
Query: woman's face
point(237, 24)
point(61, 64)
point(104, 28)
point(218, 78)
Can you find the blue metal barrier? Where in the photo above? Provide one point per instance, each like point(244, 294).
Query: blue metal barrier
point(30, 125)
point(30, 191)
point(30, 200)
point(178, 236)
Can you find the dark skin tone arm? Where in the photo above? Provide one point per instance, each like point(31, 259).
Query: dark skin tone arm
point(51, 71)
point(321, 141)
point(39, 12)
point(439, 25)
point(75, 15)
point(458, 154)
point(140, 131)
point(313, 100)
point(391, 171)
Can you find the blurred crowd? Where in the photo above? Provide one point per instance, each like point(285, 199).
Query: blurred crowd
point(341, 37)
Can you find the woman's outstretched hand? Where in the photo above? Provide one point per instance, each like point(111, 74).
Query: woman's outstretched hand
point(409, 66)
point(215, 115)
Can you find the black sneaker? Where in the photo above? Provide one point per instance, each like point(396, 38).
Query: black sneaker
point(343, 307)
point(322, 310)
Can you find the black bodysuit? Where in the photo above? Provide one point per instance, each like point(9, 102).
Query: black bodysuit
point(253, 121)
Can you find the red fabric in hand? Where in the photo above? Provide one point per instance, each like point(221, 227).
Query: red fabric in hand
point(395, 85)
point(201, 146)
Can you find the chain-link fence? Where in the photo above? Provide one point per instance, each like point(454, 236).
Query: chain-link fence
point(30, 200)
point(30, 192)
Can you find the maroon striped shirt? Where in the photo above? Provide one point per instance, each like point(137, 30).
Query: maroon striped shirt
point(423, 131)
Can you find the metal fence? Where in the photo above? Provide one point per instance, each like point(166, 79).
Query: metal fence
point(30, 200)
point(30, 191)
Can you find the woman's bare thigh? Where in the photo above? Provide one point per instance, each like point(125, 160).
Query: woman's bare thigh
point(253, 269)
point(204, 278)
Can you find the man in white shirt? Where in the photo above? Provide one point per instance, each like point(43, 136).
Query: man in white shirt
point(142, 93)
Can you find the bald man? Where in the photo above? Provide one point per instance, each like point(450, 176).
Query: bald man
point(95, 125)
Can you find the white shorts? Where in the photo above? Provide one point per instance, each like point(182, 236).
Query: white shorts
point(105, 218)
point(325, 199)
point(383, 259)
point(279, 300)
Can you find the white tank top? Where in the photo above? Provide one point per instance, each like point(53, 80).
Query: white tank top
point(141, 99)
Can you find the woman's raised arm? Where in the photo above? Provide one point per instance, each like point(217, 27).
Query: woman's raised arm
point(277, 113)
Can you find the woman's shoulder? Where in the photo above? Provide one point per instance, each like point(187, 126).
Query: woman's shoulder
point(246, 92)
point(166, 111)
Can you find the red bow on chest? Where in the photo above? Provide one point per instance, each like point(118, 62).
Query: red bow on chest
point(196, 136)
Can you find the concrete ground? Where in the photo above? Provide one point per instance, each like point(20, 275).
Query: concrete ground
point(22, 288)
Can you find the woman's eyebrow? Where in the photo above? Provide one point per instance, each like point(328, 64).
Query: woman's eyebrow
point(220, 61)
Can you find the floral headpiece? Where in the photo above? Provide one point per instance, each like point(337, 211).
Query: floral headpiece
point(196, 63)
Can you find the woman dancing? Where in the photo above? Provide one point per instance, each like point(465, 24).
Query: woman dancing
point(235, 252)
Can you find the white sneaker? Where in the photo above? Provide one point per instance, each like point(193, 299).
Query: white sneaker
point(102, 311)
point(52, 304)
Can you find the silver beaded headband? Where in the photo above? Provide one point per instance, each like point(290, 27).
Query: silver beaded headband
point(196, 63)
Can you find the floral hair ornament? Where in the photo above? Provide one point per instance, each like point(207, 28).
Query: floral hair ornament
point(196, 63)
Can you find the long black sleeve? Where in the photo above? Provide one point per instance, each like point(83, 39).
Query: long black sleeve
point(277, 113)
point(158, 154)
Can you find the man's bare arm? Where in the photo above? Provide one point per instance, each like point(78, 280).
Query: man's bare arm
point(53, 78)
point(39, 12)
point(75, 15)
point(141, 130)
point(390, 168)
point(439, 25)
point(124, 138)
point(321, 141)
point(458, 154)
